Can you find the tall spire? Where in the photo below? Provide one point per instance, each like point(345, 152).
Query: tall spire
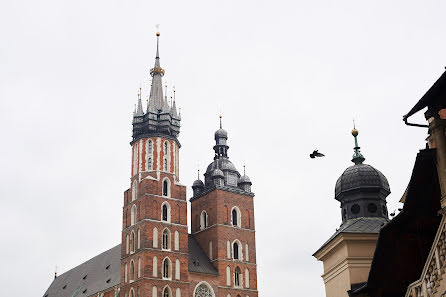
point(358, 158)
point(220, 122)
point(156, 90)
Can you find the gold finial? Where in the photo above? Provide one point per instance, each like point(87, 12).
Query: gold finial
point(354, 131)
point(158, 30)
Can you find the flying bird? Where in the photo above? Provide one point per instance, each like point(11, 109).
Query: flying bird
point(315, 154)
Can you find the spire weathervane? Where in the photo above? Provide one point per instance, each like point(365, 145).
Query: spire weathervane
point(220, 121)
point(358, 158)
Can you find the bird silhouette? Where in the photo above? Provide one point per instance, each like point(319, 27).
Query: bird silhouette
point(315, 154)
point(392, 214)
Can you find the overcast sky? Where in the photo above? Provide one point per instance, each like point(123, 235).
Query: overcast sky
point(288, 77)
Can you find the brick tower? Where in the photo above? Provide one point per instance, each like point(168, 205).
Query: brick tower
point(222, 210)
point(154, 250)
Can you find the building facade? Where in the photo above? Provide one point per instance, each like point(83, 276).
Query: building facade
point(347, 255)
point(157, 255)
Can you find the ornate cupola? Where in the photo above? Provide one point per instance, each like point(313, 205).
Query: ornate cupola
point(362, 189)
point(160, 118)
point(221, 172)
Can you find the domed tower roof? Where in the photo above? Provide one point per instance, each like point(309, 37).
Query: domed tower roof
point(362, 189)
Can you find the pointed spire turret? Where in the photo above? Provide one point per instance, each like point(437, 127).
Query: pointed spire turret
point(358, 158)
point(174, 105)
point(139, 110)
point(156, 91)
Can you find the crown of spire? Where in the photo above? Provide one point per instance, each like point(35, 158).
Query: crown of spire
point(358, 158)
point(139, 110)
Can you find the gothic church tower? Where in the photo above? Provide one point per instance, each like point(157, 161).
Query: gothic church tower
point(154, 250)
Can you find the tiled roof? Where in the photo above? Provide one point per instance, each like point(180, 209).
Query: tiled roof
point(367, 225)
point(90, 277)
point(198, 261)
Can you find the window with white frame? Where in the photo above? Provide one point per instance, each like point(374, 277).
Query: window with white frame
point(165, 212)
point(132, 242)
point(203, 289)
point(167, 292)
point(150, 146)
point(166, 187)
point(132, 271)
point(134, 190)
point(167, 268)
point(203, 220)
point(236, 217)
point(149, 164)
point(237, 250)
point(237, 275)
point(133, 215)
point(166, 239)
point(155, 267)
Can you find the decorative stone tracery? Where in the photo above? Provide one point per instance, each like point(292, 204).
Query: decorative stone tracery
point(203, 290)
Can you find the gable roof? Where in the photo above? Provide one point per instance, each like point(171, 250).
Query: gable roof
point(198, 261)
point(89, 277)
point(434, 98)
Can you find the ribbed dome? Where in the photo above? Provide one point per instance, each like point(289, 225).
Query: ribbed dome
point(217, 173)
point(221, 133)
point(223, 164)
point(198, 183)
point(361, 177)
point(244, 179)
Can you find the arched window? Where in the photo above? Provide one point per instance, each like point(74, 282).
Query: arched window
point(177, 240)
point(155, 266)
point(150, 145)
point(177, 269)
point(165, 147)
point(228, 276)
point(236, 217)
point(132, 242)
point(166, 187)
point(139, 239)
point(165, 211)
point(203, 220)
point(237, 277)
point(166, 292)
point(132, 271)
point(235, 249)
point(125, 272)
point(132, 293)
point(139, 267)
point(203, 289)
point(166, 239)
point(134, 190)
point(155, 237)
point(149, 163)
point(167, 268)
point(133, 215)
point(127, 244)
point(165, 165)
point(247, 278)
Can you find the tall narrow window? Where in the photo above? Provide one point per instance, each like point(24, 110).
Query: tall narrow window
point(150, 146)
point(237, 277)
point(139, 239)
point(235, 250)
point(132, 242)
point(133, 215)
point(177, 240)
point(150, 163)
point(177, 269)
point(165, 164)
point(234, 217)
point(247, 278)
point(155, 266)
point(167, 268)
point(165, 147)
point(125, 272)
point(132, 270)
point(228, 276)
point(166, 239)
point(165, 188)
point(127, 244)
point(134, 190)
point(139, 267)
point(165, 212)
point(155, 237)
point(166, 292)
point(203, 220)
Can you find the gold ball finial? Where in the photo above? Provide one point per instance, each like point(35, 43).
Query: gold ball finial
point(355, 132)
point(157, 33)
